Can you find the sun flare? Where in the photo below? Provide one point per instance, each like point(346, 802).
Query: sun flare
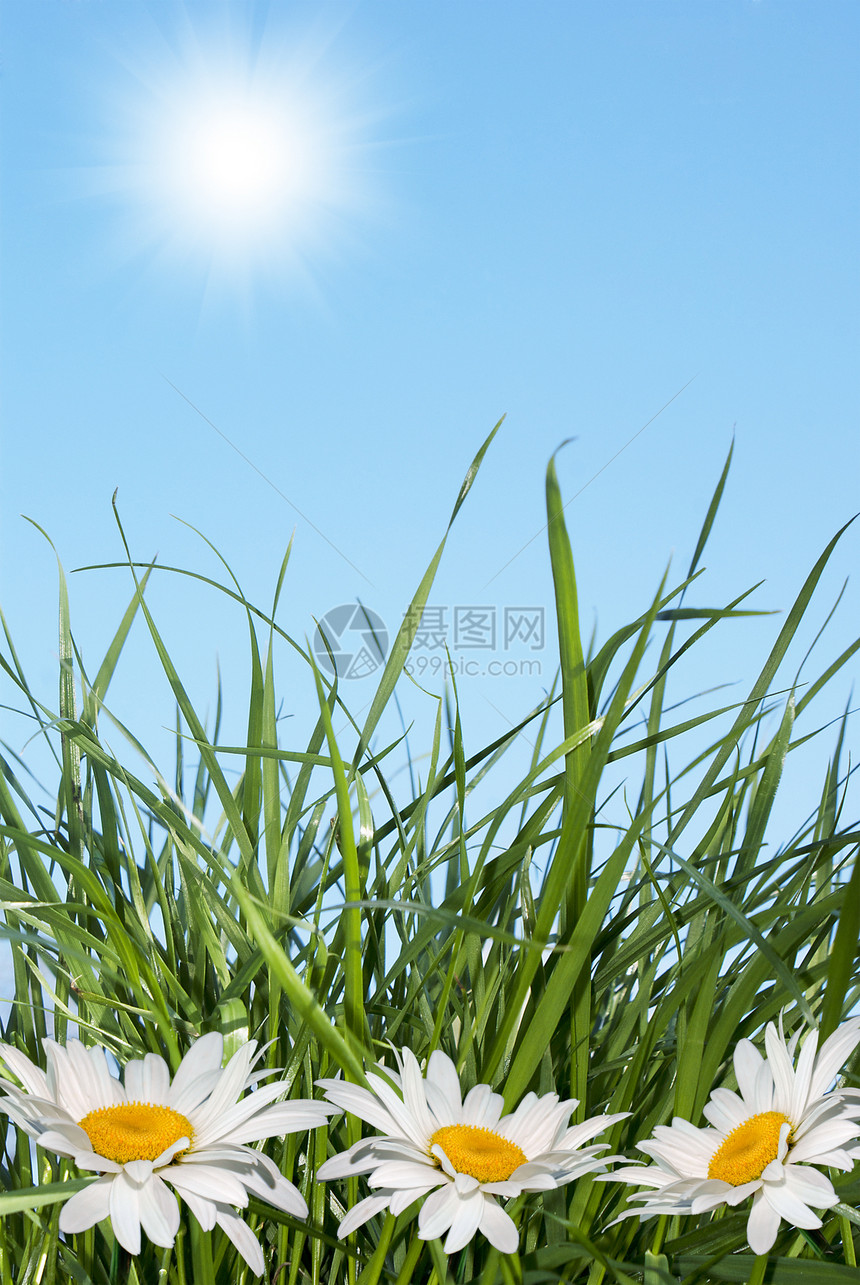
point(237, 155)
point(233, 165)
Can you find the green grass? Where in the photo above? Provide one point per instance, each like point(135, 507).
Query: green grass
point(610, 949)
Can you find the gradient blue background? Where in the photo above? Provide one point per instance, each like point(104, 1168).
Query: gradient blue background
point(573, 210)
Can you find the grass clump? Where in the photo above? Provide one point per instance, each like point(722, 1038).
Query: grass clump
point(612, 950)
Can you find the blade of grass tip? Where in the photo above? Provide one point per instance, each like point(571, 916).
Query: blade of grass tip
point(573, 674)
point(16, 673)
point(712, 511)
point(842, 955)
point(403, 642)
point(271, 769)
point(108, 665)
point(252, 777)
point(225, 794)
point(271, 781)
point(765, 793)
point(815, 687)
point(759, 689)
point(574, 688)
point(70, 788)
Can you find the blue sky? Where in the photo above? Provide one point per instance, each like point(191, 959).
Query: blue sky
point(561, 212)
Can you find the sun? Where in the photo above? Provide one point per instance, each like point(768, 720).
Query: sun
point(237, 155)
point(231, 163)
point(231, 166)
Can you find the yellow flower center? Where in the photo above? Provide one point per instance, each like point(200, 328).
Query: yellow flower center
point(748, 1149)
point(481, 1153)
point(134, 1131)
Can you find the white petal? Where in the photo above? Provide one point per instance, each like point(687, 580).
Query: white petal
point(402, 1173)
point(202, 1059)
point(243, 1238)
point(181, 1144)
point(712, 1194)
point(506, 1189)
point(124, 1213)
point(588, 1129)
point(413, 1094)
point(281, 1193)
point(499, 1228)
point(406, 1125)
point(437, 1213)
point(781, 1198)
point(66, 1140)
point(748, 1062)
point(207, 1181)
point(159, 1212)
point(822, 1139)
point(358, 1159)
point(540, 1126)
point(132, 1078)
point(442, 1088)
point(833, 1054)
point(155, 1080)
point(765, 1089)
point(534, 1177)
point(803, 1077)
point(94, 1080)
point(725, 1110)
point(781, 1069)
point(482, 1107)
point(73, 1080)
point(401, 1200)
point(138, 1172)
point(360, 1213)
point(228, 1089)
point(442, 1157)
point(205, 1211)
point(465, 1222)
point(249, 1121)
point(762, 1225)
point(32, 1077)
point(86, 1208)
point(810, 1186)
point(358, 1101)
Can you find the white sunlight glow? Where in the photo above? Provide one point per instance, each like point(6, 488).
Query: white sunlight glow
point(236, 156)
point(234, 167)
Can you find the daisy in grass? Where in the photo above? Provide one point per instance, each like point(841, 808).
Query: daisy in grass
point(765, 1140)
point(456, 1155)
point(149, 1134)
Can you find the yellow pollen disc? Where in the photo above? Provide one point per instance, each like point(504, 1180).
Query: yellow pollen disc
point(481, 1153)
point(748, 1149)
point(134, 1131)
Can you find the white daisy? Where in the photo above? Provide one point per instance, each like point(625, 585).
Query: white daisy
point(149, 1131)
point(456, 1155)
point(764, 1141)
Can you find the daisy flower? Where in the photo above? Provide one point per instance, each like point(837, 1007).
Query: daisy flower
point(149, 1134)
point(456, 1155)
point(764, 1141)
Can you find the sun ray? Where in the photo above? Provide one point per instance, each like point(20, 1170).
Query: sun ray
point(236, 158)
